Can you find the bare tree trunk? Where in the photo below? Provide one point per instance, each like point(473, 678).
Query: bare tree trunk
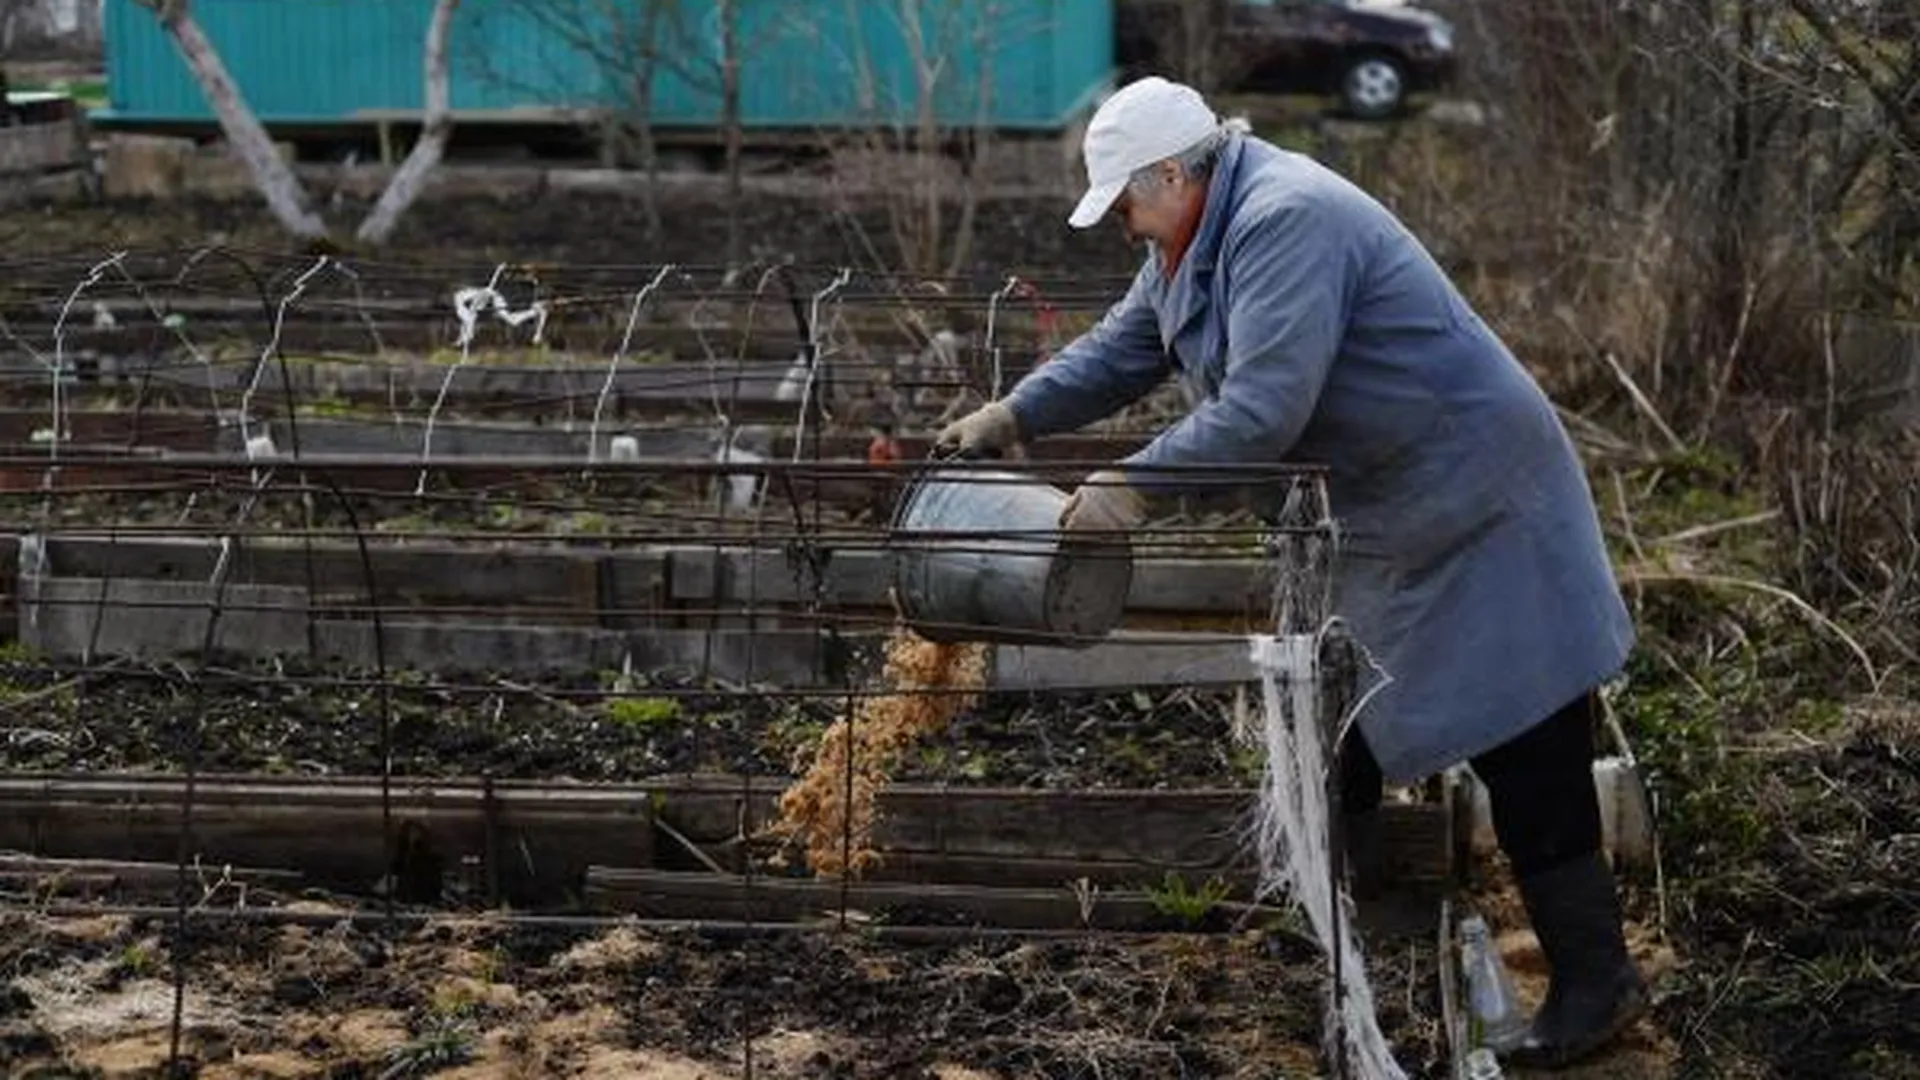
point(643, 113)
point(411, 178)
point(925, 151)
point(730, 121)
point(979, 142)
point(1198, 19)
point(277, 184)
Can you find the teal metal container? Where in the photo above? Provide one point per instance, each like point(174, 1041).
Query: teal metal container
point(805, 64)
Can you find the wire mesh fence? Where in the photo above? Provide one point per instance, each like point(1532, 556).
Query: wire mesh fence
point(497, 612)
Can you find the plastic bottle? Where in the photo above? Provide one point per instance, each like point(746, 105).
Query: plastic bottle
point(1492, 1006)
point(1482, 1065)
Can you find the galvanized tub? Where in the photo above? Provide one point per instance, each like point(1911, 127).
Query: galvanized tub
point(978, 556)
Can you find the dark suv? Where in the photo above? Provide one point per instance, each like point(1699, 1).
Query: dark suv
point(1369, 53)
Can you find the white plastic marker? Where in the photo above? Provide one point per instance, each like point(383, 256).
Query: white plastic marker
point(613, 366)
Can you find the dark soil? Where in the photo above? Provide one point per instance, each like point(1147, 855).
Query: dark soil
point(486, 1000)
point(261, 720)
point(1804, 948)
point(1027, 236)
point(1791, 884)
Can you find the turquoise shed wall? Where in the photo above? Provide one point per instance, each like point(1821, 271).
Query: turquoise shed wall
point(805, 63)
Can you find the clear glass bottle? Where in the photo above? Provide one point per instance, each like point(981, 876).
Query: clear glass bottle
point(1493, 1009)
point(1482, 1065)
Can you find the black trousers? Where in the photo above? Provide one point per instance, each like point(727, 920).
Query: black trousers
point(1539, 783)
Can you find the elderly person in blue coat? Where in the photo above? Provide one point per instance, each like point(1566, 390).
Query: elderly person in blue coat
point(1310, 325)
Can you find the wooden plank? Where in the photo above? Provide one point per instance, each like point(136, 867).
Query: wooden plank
point(667, 895)
point(537, 839)
point(1041, 872)
point(360, 476)
point(426, 573)
point(190, 430)
point(416, 576)
point(68, 617)
point(1171, 829)
point(71, 617)
point(419, 381)
point(98, 877)
point(1111, 835)
point(199, 429)
point(536, 844)
point(453, 439)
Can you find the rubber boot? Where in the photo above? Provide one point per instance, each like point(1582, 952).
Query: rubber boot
point(1594, 991)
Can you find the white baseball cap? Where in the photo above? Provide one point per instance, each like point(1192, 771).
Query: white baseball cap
point(1143, 122)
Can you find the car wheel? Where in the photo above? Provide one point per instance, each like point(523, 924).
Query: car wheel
point(1373, 87)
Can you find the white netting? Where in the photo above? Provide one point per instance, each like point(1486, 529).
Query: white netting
point(1291, 837)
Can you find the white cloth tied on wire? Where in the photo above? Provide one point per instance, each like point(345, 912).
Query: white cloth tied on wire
point(1290, 833)
point(474, 301)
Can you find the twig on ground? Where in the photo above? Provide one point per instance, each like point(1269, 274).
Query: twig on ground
point(1699, 532)
point(1641, 402)
point(567, 707)
point(39, 695)
point(692, 848)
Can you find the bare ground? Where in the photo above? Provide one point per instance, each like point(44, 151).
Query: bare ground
point(1781, 932)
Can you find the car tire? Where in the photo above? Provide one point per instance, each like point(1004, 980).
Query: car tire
point(1373, 86)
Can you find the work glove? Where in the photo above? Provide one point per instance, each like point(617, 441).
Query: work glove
point(1105, 502)
point(987, 430)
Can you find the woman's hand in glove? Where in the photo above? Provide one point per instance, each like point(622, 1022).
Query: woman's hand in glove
point(986, 430)
point(1105, 502)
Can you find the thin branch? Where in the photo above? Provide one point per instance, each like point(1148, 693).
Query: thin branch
point(1642, 402)
point(1698, 532)
point(1897, 112)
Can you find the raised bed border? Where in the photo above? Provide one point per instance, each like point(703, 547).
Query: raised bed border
point(605, 846)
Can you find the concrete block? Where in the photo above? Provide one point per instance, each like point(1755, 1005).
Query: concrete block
point(596, 181)
point(466, 646)
point(60, 187)
point(33, 148)
point(505, 182)
point(221, 177)
point(1121, 662)
point(1626, 812)
point(82, 617)
point(146, 166)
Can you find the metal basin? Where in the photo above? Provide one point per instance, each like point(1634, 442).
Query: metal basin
point(978, 556)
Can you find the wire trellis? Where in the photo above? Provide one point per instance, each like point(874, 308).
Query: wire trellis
point(623, 501)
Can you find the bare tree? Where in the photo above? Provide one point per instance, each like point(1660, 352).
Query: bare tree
point(1189, 40)
point(927, 154)
point(1709, 169)
point(285, 196)
point(637, 44)
point(623, 44)
point(714, 64)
